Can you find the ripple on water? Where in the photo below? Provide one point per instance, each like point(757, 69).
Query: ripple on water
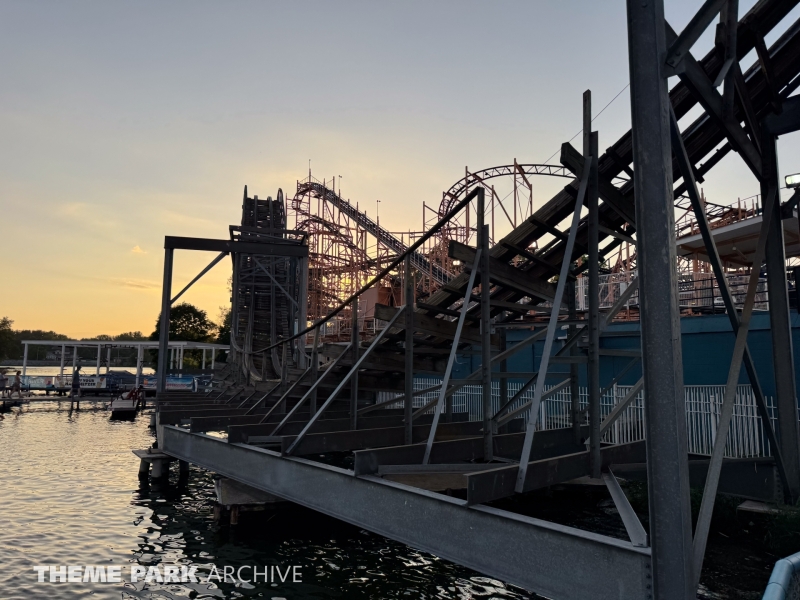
point(71, 495)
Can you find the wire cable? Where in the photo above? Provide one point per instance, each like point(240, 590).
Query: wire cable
point(627, 85)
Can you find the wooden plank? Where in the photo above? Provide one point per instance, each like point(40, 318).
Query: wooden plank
point(494, 484)
point(340, 441)
point(622, 205)
point(389, 359)
point(436, 327)
point(555, 269)
point(503, 274)
point(221, 423)
point(175, 417)
point(548, 443)
point(240, 433)
point(445, 311)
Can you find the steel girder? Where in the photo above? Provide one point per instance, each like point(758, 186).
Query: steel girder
point(523, 551)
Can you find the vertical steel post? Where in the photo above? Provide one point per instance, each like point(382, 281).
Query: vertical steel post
point(408, 403)
point(314, 372)
point(503, 369)
point(163, 335)
point(99, 353)
point(108, 360)
point(780, 323)
point(63, 352)
point(667, 462)
point(574, 382)
point(719, 272)
point(247, 356)
point(486, 330)
point(25, 360)
point(235, 262)
point(354, 379)
point(284, 377)
point(204, 360)
point(592, 204)
point(302, 315)
point(139, 361)
point(273, 311)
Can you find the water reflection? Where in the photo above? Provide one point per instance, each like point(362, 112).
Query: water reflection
point(71, 495)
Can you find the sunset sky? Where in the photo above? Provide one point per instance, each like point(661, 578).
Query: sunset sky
point(125, 122)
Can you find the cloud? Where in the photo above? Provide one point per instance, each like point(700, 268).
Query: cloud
point(138, 250)
point(136, 284)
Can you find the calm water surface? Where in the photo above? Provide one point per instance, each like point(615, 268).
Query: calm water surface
point(70, 494)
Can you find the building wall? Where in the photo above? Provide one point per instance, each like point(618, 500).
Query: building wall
point(707, 343)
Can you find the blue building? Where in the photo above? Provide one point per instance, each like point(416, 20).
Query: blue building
point(707, 343)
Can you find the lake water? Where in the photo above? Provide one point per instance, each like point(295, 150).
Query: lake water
point(70, 495)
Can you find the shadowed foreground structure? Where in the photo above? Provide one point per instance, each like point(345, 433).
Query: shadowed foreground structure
point(330, 422)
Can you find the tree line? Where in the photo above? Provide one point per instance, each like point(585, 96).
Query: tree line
point(187, 323)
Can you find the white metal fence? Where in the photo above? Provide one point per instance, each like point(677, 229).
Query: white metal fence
point(703, 405)
point(695, 290)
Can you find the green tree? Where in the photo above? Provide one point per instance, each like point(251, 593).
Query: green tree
point(34, 352)
point(224, 327)
point(6, 338)
point(186, 323)
point(130, 336)
point(224, 331)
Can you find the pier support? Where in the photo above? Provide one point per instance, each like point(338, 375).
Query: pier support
point(156, 462)
point(236, 498)
point(667, 461)
point(780, 323)
point(592, 204)
point(408, 402)
point(495, 542)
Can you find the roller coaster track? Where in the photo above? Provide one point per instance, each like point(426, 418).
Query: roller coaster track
point(418, 261)
point(452, 195)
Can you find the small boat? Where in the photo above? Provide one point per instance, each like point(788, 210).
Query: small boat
point(126, 405)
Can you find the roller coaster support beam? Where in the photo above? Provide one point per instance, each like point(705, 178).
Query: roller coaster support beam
point(486, 329)
point(667, 462)
point(354, 345)
point(592, 204)
point(408, 402)
point(690, 184)
point(574, 381)
point(780, 322)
